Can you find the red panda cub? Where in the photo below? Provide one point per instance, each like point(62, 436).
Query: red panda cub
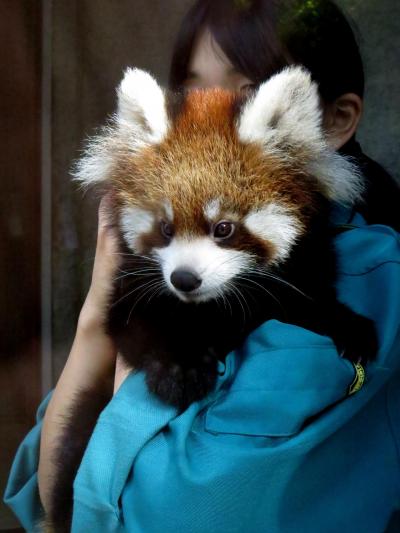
point(223, 207)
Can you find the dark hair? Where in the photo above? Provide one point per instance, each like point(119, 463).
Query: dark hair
point(260, 37)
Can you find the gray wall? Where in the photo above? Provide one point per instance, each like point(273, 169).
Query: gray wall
point(93, 41)
point(377, 23)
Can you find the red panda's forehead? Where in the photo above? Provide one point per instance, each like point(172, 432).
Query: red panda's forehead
point(202, 159)
point(205, 111)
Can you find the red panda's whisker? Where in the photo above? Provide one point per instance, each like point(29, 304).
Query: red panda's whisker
point(138, 272)
point(233, 292)
point(146, 257)
point(132, 292)
point(264, 289)
point(144, 272)
point(283, 281)
point(264, 273)
point(239, 296)
point(137, 256)
point(156, 288)
point(226, 261)
point(124, 253)
point(216, 261)
point(136, 269)
point(157, 285)
point(221, 295)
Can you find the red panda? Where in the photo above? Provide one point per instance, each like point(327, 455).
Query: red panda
point(223, 205)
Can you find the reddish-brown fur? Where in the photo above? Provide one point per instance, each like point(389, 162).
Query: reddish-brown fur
point(202, 158)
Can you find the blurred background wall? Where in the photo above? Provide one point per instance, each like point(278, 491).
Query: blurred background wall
point(73, 53)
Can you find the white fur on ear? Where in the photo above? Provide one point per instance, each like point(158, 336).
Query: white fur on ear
point(141, 120)
point(285, 117)
point(141, 104)
point(284, 110)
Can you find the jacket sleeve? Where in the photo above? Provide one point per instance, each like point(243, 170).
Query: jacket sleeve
point(22, 492)
point(132, 418)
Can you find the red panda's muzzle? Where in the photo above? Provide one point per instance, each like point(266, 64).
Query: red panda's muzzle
point(206, 260)
point(198, 269)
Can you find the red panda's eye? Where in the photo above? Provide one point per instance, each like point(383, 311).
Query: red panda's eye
point(224, 230)
point(167, 230)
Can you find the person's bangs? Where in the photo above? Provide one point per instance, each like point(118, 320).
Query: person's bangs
point(248, 37)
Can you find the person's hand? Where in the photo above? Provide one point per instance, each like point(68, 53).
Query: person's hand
point(93, 314)
point(106, 262)
point(101, 351)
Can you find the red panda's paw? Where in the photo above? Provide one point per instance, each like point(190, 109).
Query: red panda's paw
point(355, 336)
point(362, 342)
point(181, 385)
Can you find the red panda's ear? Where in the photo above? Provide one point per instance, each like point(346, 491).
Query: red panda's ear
point(141, 120)
point(141, 106)
point(284, 111)
point(285, 117)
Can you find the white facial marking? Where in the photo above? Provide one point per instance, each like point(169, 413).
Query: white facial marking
point(214, 265)
point(169, 212)
point(135, 222)
point(212, 209)
point(274, 223)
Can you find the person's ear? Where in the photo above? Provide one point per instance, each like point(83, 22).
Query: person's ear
point(341, 119)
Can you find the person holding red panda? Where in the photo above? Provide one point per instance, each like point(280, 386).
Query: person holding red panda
point(251, 461)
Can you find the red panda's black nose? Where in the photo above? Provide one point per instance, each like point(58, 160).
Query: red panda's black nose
point(185, 281)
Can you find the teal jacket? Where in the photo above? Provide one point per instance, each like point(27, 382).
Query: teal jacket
point(279, 447)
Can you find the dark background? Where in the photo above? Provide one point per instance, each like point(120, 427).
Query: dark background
point(61, 61)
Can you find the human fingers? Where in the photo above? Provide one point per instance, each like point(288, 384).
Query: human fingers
point(107, 259)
